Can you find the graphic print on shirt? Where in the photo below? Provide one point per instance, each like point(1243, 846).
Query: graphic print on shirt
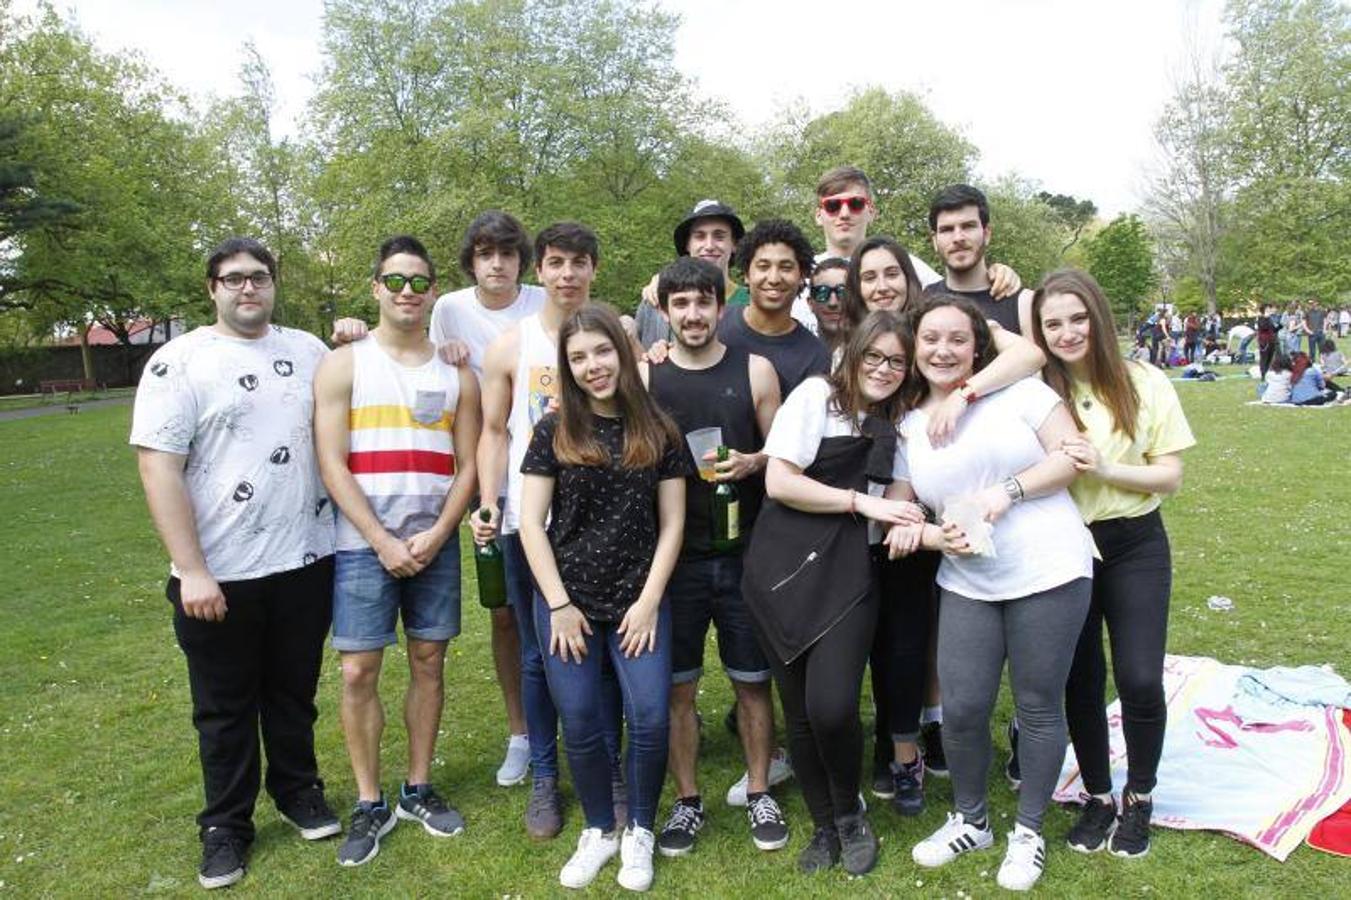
point(541, 391)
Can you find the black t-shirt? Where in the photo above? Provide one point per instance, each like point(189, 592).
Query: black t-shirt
point(703, 398)
point(796, 356)
point(603, 524)
point(1005, 311)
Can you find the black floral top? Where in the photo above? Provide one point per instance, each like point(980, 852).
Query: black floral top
point(603, 520)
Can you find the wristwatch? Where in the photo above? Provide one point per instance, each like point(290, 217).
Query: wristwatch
point(1013, 489)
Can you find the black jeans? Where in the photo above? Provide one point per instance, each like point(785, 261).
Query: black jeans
point(259, 667)
point(899, 658)
point(819, 691)
point(1131, 587)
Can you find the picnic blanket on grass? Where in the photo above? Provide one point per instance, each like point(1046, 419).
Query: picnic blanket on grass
point(1257, 753)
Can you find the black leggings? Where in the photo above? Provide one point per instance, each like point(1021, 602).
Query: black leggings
point(819, 693)
point(1131, 586)
point(899, 658)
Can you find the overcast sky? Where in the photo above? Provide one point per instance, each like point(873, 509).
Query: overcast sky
point(1063, 92)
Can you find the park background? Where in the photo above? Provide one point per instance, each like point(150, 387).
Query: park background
point(114, 183)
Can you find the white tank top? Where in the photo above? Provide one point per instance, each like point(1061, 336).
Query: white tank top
point(400, 447)
point(534, 386)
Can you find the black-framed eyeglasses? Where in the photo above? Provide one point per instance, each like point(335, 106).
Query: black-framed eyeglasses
point(235, 280)
point(394, 283)
point(874, 359)
point(821, 293)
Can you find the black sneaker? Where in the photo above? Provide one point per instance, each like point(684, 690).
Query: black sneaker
point(370, 822)
point(310, 814)
point(423, 805)
point(882, 786)
point(907, 787)
point(931, 742)
point(222, 858)
point(1012, 771)
point(822, 853)
point(858, 844)
point(1097, 821)
point(769, 829)
point(687, 818)
point(1131, 838)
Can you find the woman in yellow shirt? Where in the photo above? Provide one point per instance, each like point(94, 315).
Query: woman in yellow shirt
point(1129, 455)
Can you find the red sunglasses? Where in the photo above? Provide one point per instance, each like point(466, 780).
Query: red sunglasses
point(856, 203)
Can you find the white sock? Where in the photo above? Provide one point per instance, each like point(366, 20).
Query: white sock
point(931, 714)
point(518, 740)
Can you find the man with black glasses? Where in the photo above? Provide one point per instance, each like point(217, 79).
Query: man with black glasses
point(224, 443)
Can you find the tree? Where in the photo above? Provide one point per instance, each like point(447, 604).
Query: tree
point(1121, 258)
point(1025, 231)
point(1073, 215)
point(908, 154)
point(23, 208)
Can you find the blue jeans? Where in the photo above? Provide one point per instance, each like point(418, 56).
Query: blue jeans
point(541, 718)
point(579, 692)
point(368, 600)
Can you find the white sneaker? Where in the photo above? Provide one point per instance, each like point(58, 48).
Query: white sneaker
point(951, 841)
point(780, 770)
point(594, 850)
point(1024, 861)
point(517, 763)
point(635, 856)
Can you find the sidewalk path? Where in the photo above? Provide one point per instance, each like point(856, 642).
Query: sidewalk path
point(59, 409)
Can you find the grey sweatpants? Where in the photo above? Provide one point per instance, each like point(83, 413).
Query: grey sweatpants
point(1037, 634)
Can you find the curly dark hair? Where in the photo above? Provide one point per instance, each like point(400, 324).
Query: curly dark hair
point(916, 387)
point(776, 231)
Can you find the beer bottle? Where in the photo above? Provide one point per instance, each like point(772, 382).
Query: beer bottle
point(726, 513)
point(491, 572)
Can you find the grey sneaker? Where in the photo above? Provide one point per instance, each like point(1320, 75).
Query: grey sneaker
point(544, 809)
point(858, 844)
point(822, 853)
point(370, 822)
point(423, 805)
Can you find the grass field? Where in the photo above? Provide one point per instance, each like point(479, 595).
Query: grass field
point(100, 781)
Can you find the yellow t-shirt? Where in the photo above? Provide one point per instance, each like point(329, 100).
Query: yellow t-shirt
point(1161, 428)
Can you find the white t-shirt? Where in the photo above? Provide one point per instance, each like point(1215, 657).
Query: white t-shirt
point(1041, 542)
point(242, 412)
point(804, 420)
point(460, 316)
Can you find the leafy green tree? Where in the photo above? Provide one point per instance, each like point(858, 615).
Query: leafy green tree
point(1121, 258)
point(1073, 215)
point(1025, 232)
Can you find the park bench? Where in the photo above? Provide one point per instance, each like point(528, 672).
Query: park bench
point(70, 386)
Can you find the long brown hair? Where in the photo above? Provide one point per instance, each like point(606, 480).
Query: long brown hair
point(855, 310)
point(648, 431)
point(1108, 376)
point(845, 393)
point(916, 386)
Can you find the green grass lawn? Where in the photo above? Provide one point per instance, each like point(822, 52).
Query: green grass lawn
point(61, 398)
point(100, 780)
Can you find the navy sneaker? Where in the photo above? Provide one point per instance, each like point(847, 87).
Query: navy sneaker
point(420, 803)
point(908, 787)
point(370, 822)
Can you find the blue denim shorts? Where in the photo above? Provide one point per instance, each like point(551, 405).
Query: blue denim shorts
point(367, 600)
point(709, 590)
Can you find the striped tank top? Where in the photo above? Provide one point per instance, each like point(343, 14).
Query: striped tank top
point(400, 448)
point(534, 386)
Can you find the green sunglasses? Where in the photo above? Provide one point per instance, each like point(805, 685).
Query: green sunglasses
point(394, 283)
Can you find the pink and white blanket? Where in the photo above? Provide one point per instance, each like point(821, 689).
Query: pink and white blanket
point(1239, 757)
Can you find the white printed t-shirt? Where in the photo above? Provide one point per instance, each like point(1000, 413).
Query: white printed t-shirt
point(460, 316)
point(242, 413)
point(807, 418)
point(1039, 543)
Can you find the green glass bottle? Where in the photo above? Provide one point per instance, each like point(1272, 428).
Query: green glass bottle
point(491, 572)
point(726, 508)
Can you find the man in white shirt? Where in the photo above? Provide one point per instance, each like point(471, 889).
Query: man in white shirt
point(224, 444)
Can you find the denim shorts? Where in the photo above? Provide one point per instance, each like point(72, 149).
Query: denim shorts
point(367, 600)
point(709, 590)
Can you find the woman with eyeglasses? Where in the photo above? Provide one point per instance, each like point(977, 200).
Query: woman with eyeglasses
point(808, 583)
point(1015, 577)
